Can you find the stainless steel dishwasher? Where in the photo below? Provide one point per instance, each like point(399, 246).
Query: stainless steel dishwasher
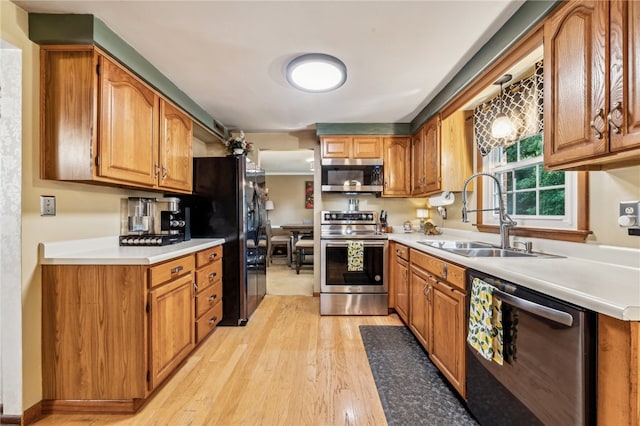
point(548, 374)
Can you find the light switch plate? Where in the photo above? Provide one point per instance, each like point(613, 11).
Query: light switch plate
point(47, 205)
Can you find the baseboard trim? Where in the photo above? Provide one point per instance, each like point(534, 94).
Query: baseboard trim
point(32, 414)
point(59, 406)
point(10, 420)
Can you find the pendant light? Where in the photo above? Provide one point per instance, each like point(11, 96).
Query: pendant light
point(502, 126)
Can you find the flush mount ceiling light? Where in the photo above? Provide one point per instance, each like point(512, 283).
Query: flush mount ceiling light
point(316, 72)
point(502, 126)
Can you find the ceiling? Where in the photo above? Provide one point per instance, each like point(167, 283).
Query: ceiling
point(230, 56)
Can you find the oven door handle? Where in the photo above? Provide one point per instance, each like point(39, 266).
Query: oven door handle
point(551, 314)
point(367, 243)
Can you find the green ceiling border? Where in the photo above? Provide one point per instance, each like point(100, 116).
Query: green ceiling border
point(46, 28)
point(525, 18)
point(363, 129)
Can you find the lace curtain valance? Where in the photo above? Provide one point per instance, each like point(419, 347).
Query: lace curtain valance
point(522, 103)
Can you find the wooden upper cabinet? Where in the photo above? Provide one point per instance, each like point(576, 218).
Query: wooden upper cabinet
point(102, 124)
point(456, 151)
point(128, 143)
point(425, 177)
point(418, 163)
point(432, 156)
point(592, 119)
point(396, 155)
point(176, 150)
point(351, 146)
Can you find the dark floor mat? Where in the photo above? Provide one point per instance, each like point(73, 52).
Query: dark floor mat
point(412, 390)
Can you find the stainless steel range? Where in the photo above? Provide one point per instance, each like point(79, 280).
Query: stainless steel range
point(353, 263)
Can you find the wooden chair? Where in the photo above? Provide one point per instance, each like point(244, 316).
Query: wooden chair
point(275, 241)
point(303, 248)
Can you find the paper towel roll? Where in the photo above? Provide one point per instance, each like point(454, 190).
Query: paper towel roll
point(444, 199)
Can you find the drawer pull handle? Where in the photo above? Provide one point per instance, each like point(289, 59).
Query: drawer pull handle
point(177, 269)
point(213, 256)
point(213, 297)
point(213, 320)
point(593, 123)
point(212, 275)
point(614, 127)
point(444, 271)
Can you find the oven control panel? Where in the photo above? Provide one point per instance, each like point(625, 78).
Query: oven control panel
point(349, 217)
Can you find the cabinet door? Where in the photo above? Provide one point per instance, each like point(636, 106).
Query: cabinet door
point(575, 96)
point(397, 166)
point(420, 311)
point(418, 153)
point(456, 151)
point(448, 349)
point(171, 327)
point(402, 288)
point(624, 77)
point(366, 147)
point(128, 144)
point(176, 170)
point(336, 146)
point(432, 156)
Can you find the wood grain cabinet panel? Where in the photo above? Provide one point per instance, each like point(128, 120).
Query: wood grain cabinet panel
point(397, 166)
point(128, 127)
point(102, 124)
point(171, 332)
point(209, 293)
point(348, 146)
point(401, 279)
point(449, 334)
point(418, 163)
point(93, 333)
point(176, 150)
point(437, 314)
point(591, 99)
point(432, 174)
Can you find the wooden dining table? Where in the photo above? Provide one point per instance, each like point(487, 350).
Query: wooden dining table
point(296, 229)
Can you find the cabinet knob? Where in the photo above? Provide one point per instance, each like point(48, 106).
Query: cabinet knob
point(212, 276)
point(213, 297)
point(213, 320)
point(212, 256)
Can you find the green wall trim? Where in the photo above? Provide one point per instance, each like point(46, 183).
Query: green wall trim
point(363, 129)
point(45, 28)
point(525, 18)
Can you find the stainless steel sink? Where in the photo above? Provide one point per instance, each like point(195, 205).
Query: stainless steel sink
point(450, 245)
point(491, 252)
point(480, 249)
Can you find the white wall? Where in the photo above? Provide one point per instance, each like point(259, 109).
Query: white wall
point(10, 223)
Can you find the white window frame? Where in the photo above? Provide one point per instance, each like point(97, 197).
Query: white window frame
point(493, 164)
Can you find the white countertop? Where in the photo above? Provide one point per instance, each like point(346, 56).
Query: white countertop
point(107, 251)
point(604, 279)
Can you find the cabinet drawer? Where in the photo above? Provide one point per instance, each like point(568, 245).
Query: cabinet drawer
point(207, 256)
point(443, 270)
point(208, 275)
point(208, 321)
point(171, 270)
point(402, 251)
point(207, 298)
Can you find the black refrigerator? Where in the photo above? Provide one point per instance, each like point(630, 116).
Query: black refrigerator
point(228, 200)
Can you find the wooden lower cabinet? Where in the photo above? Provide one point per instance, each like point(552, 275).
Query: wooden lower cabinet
point(171, 336)
point(449, 334)
point(111, 334)
point(400, 280)
point(420, 306)
point(437, 314)
point(208, 306)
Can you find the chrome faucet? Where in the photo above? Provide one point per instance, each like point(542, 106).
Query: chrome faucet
point(506, 223)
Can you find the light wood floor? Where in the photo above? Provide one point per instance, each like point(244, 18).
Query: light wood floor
point(288, 366)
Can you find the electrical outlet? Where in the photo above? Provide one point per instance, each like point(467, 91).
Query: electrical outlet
point(47, 205)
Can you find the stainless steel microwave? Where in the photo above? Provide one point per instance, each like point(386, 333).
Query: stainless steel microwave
point(350, 175)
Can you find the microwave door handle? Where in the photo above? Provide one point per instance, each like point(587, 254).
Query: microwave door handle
point(551, 314)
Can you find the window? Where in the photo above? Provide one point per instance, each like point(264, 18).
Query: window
point(533, 197)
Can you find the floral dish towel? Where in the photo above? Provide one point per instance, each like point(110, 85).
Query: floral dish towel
point(485, 322)
point(355, 256)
